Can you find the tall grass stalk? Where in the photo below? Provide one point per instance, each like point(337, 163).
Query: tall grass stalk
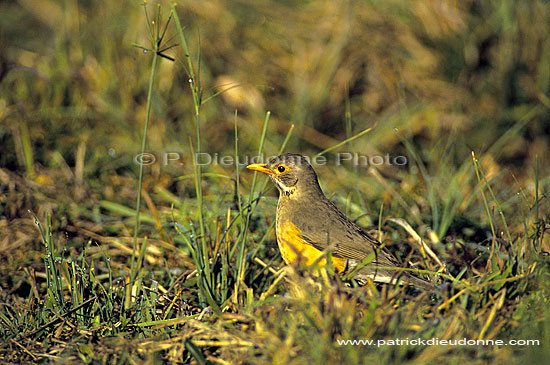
point(26, 147)
point(51, 261)
point(140, 179)
point(195, 84)
point(202, 255)
point(347, 140)
point(479, 173)
point(156, 49)
point(431, 191)
point(242, 239)
point(489, 215)
point(250, 206)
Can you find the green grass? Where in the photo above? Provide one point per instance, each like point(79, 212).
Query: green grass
point(106, 260)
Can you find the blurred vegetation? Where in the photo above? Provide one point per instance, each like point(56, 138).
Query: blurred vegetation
point(435, 80)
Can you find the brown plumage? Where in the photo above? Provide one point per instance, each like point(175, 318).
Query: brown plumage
point(309, 226)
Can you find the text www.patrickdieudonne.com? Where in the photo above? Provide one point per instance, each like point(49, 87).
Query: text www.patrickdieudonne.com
point(437, 342)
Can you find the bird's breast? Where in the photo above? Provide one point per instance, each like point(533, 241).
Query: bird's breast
point(295, 250)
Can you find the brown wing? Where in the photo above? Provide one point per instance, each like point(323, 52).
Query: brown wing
point(349, 241)
point(345, 238)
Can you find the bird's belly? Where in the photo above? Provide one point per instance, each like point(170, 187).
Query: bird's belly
point(295, 251)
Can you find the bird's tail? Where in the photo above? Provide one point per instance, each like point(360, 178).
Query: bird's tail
point(390, 277)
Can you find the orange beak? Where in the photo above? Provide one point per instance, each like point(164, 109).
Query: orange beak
point(262, 167)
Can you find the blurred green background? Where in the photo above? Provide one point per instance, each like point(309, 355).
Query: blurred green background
point(453, 73)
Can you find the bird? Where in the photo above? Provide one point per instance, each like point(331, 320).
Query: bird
point(309, 228)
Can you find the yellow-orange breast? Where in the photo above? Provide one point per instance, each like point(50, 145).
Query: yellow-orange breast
point(296, 251)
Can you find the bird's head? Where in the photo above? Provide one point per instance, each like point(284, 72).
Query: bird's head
point(291, 173)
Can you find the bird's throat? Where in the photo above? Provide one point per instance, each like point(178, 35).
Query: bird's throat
point(286, 191)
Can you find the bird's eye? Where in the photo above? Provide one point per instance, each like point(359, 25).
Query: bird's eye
point(281, 168)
